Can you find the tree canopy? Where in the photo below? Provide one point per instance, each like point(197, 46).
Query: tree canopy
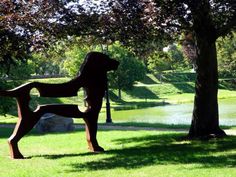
point(130, 69)
point(204, 21)
point(227, 55)
point(143, 26)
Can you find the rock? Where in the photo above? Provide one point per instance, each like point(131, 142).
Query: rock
point(54, 123)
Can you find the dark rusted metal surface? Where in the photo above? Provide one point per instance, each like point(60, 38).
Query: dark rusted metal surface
point(92, 77)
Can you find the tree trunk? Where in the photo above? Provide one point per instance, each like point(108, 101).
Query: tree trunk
point(119, 93)
point(205, 118)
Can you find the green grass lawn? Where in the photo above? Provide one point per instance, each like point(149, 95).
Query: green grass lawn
point(149, 92)
point(129, 153)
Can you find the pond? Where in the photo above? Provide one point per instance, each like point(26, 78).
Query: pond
point(175, 114)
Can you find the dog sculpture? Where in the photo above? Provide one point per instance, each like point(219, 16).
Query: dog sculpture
point(92, 77)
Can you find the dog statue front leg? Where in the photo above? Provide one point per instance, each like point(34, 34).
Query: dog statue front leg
point(26, 121)
point(23, 126)
point(91, 123)
point(91, 127)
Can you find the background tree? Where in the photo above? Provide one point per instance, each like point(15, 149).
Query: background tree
point(169, 58)
point(14, 53)
point(21, 26)
point(50, 60)
point(226, 50)
point(159, 61)
point(178, 60)
point(131, 69)
point(29, 26)
point(206, 20)
point(75, 54)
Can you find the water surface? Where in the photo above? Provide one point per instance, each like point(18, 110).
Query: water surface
point(175, 114)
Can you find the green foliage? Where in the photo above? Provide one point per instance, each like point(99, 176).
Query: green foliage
point(50, 60)
point(227, 55)
point(44, 64)
point(131, 69)
point(17, 72)
point(159, 61)
point(74, 58)
point(6, 103)
point(75, 51)
point(13, 48)
point(20, 71)
point(178, 61)
point(170, 59)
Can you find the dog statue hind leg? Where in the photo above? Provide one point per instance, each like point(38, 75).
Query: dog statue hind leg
point(26, 118)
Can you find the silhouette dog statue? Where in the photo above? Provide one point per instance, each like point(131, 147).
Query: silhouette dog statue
point(92, 77)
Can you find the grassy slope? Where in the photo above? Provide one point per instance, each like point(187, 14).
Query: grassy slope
point(129, 153)
point(149, 92)
point(171, 90)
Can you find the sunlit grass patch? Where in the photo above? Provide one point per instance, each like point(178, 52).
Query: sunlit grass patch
point(129, 153)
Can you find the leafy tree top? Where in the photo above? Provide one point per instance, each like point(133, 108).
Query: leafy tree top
point(133, 22)
point(168, 16)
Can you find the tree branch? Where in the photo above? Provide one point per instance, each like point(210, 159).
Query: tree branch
point(227, 28)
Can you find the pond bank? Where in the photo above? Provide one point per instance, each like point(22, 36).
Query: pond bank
point(133, 128)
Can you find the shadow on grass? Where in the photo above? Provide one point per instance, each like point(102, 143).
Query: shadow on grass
point(164, 149)
point(178, 77)
point(59, 156)
point(142, 93)
point(115, 98)
point(148, 80)
point(184, 87)
point(227, 84)
point(148, 150)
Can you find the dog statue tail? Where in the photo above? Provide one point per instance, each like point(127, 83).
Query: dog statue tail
point(16, 92)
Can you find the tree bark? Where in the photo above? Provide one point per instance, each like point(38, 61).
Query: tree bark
point(119, 93)
point(205, 118)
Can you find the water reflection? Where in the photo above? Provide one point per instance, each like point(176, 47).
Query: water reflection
point(176, 114)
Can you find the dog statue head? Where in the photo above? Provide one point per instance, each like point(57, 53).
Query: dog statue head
point(95, 67)
point(98, 62)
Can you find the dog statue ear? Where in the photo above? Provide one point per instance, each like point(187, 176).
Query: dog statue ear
point(81, 68)
point(85, 66)
point(94, 62)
